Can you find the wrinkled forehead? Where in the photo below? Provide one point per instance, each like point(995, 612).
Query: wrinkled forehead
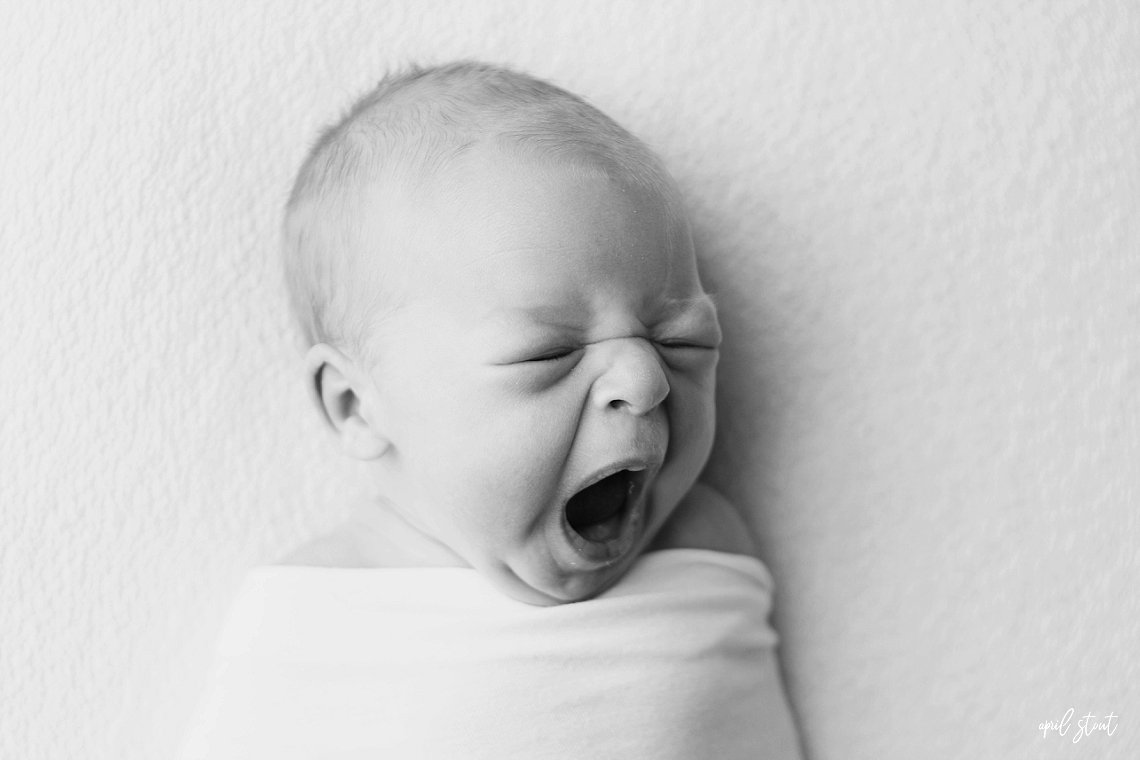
point(488, 198)
point(488, 234)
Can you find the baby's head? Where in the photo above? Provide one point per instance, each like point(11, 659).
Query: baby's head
point(500, 291)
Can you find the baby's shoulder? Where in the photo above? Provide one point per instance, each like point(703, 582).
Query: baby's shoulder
point(341, 547)
point(706, 520)
point(372, 538)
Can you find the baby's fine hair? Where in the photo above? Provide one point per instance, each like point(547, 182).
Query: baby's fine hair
point(411, 124)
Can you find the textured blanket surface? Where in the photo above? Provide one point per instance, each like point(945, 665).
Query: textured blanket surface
point(676, 661)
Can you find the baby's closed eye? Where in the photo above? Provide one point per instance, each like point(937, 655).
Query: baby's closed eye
point(687, 343)
point(553, 355)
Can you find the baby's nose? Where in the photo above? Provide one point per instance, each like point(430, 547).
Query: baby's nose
point(633, 380)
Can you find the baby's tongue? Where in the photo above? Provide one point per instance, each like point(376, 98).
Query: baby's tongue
point(593, 511)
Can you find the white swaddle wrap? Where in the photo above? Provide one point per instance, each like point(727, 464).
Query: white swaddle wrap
point(676, 661)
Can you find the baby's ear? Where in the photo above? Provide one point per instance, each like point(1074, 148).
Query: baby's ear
point(343, 391)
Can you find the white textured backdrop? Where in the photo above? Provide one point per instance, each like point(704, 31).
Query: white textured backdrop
point(921, 219)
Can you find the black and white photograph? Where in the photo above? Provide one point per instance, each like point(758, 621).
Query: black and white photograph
point(503, 379)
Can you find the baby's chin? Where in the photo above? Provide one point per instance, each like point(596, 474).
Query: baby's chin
point(551, 586)
point(568, 560)
point(563, 567)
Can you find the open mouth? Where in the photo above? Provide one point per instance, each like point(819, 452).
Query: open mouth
point(594, 513)
point(604, 517)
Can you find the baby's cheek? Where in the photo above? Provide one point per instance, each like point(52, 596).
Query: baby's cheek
point(692, 414)
point(692, 424)
point(518, 446)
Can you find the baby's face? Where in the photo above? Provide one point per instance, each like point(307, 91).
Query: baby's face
point(546, 379)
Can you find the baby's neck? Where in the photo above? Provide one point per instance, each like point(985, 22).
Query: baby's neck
point(374, 536)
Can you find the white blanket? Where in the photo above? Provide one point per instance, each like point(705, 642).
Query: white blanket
point(676, 661)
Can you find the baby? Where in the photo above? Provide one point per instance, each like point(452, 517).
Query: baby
point(507, 327)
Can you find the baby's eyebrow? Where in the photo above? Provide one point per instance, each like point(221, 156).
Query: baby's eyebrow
point(545, 314)
point(560, 316)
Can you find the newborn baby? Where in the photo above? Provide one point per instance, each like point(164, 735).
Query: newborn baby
point(500, 292)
